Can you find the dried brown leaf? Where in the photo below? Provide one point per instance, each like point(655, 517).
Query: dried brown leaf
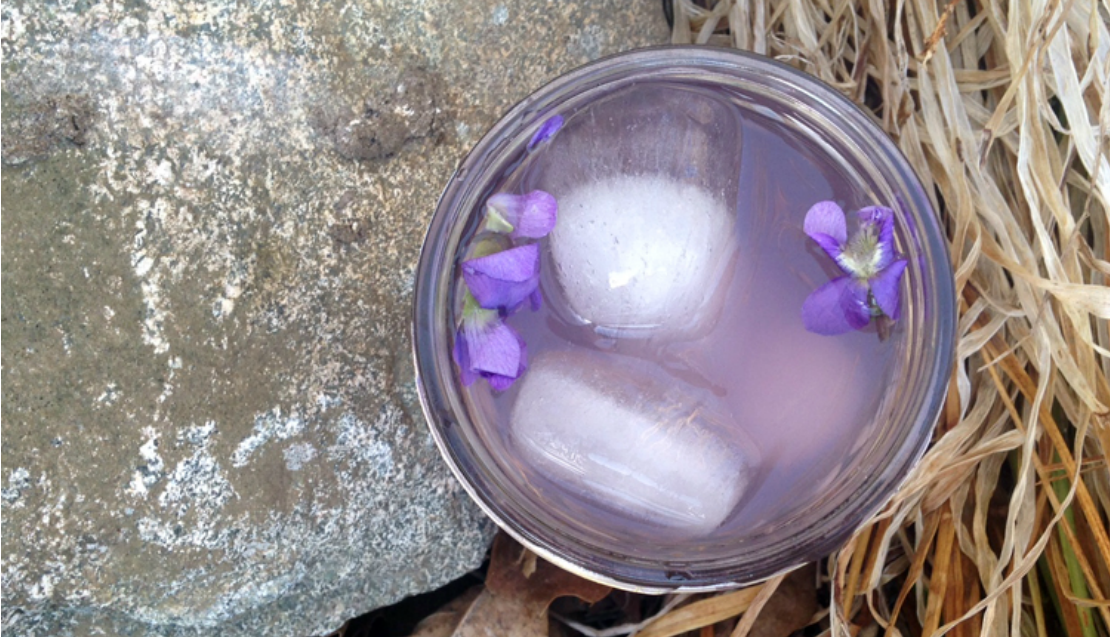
point(752, 614)
point(546, 583)
point(444, 621)
point(791, 608)
point(938, 581)
point(516, 604)
point(917, 567)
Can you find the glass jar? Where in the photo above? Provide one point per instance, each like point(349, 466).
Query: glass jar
point(879, 461)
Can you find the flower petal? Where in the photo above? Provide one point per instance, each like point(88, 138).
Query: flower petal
point(535, 299)
point(530, 216)
point(462, 358)
point(537, 218)
point(883, 221)
point(831, 246)
point(826, 218)
point(494, 293)
point(501, 383)
point(515, 264)
point(885, 288)
point(837, 307)
point(546, 131)
point(494, 348)
point(503, 279)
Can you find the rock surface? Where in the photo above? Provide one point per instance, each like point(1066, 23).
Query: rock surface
point(212, 213)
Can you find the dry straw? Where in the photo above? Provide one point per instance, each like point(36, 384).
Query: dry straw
point(1003, 109)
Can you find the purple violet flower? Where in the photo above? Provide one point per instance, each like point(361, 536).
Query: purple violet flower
point(503, 279)
point(500, 278)
point(870, 287)
point(547, 130)
point(485, 347)
point(530, 216)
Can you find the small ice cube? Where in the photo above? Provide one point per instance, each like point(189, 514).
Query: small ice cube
point(632, 443)
point(642, 253)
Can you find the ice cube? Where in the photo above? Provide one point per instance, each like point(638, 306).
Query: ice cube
point(647, 182)
point(678, 132)
point(639, 254)
point(631, 442)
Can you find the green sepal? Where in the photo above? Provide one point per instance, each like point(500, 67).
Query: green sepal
point(496, 223)
point(475, 314)
point(487, 245)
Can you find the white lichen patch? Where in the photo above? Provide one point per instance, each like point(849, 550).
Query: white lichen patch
point(298, 455)
point(588, 43)
point(67, 341)
point(150, 285)
point(12, 27)
point(251, 594)
point(109, 396)
point(174, 363)
point(14, 574)
point(462, 130)
point(238, 277)
point(170, 534)
point(270, 425)
point(194, 495)
point(359, 443)
point(19, 480)
point(152, 468)
point(325, 401)
point(160, 173)
point(196, 482)
point(197, 435)
point(42, 589)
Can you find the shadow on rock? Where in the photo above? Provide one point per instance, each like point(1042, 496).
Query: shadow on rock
point(397, 114)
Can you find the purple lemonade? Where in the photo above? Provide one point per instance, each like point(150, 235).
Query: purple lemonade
point(666, 387)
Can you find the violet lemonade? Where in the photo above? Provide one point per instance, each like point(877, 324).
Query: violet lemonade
point(670, 391)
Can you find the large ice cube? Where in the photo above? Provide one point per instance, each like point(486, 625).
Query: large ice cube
point(678, 132)
point(638, 254)
point(631, 442)
point(647, 181)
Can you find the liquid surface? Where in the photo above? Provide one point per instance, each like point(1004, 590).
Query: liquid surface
point(787, 406)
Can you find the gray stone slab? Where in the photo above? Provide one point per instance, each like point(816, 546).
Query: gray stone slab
point(211, 218)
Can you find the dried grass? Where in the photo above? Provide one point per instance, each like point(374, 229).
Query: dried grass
point(1003, 108)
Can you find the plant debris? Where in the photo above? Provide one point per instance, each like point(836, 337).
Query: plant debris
point(519, 588)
